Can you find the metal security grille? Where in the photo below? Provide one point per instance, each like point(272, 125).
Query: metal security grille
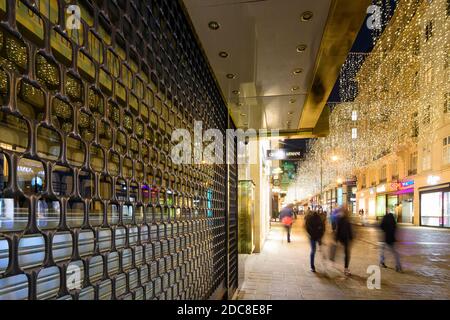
point(91, 206)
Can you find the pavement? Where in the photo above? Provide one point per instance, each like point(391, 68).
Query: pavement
point(281, 271)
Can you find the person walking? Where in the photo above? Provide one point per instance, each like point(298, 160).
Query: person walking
point(315, 227)
point(286, 218)
point(344, 235)
point(389, 227)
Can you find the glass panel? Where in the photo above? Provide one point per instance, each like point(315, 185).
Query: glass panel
point(113, 214)
point(96, 103)
point(13, 133)
point(47, 73)
point(48, 144)
point(113, 164)
point(31, 176)
point(31, 101)
point(105, 187)
point(48, 214)
point(75, 152)
point(62, 115)
point(75, 214)
point(105, 134)
point(62, 246)
point(86, 184)
point(47, 283)
point(31, 251)
point(139, 214)
point(62, 181)
point(97, 158)
point(127, 214)
point(127, 168)
point(74, 88)
point(86, 126)
point(14, 288)
point(431, 209)
point(121, 190)
point(96, 210)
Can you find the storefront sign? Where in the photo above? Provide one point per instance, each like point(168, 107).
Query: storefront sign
point(402, 185)
point(283, 154)
point(381, 189)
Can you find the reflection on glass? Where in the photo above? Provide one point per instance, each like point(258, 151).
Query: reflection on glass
point(121, 190)
point(48, 214)
point(13, 132)
point(134, 191)
point(97, 158)
point(75, 152)
point(31, 176)
point(62, 181)
point(75, 214)
point(127, 214)
point(113, 164)
point(105, 187)
point(139, 215)
point(86, 184)
point(96, 209)
point(113, 214)
point(145, 194)
point(48, 144)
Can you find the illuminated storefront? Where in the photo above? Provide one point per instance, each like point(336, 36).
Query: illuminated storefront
point(435, 206)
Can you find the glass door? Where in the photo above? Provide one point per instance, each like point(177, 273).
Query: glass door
point(431, 209)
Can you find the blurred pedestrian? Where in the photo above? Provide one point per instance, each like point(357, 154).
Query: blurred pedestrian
point(315, 226)
point(389, 227)
point(343, 235)
point(295, 210)
point(286, 218)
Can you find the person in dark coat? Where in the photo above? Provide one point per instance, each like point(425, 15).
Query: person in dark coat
point(315, 226)
point(286, 217)
point(344, 235)
point(389, 227)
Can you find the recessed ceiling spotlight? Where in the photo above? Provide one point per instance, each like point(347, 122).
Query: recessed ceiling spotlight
point(297, 71)
point(295, 88)
point(243, 115)
point(214, 25)
point(231, 76)
point(240, 104)
point(307, 16)
point(236, 92)
point(245, 124)
point(290, 113)
point(301, 48)
point(223, 54)
point(292, 101)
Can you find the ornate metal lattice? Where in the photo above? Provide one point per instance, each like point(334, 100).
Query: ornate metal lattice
point(91, 206)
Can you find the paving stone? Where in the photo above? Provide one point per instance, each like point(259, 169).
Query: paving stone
point(281, 270)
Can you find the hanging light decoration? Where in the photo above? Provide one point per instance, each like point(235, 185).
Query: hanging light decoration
point(398, 92)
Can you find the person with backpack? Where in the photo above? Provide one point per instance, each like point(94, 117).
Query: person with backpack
point(315, 227)
point(389, 227)
point(286, 218)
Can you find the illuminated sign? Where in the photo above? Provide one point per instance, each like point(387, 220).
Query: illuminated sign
point(402, 185)
point(282, 154)
point(381, 189)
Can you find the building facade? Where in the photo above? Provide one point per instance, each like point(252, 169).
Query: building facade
point(412, 178)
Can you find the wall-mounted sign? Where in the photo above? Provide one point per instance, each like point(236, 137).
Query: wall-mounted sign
point(381, 189)
point(283, 154)
point(408, 184)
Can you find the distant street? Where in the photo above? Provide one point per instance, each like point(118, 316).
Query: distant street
point(282, 270)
